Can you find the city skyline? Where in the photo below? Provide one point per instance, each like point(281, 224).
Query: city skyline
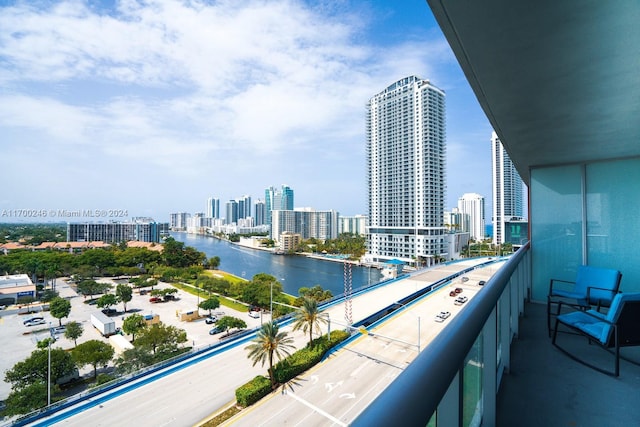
point(153, 108)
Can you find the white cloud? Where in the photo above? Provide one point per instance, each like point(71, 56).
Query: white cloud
point(185, 85)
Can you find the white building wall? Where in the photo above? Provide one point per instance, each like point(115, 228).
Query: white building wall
point(472, 206)
point(406, 155)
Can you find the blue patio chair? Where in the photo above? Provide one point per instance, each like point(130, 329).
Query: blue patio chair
point(594, 287)
point(619, 327)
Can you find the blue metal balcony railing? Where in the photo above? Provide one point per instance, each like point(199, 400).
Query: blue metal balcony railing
point(435, 382)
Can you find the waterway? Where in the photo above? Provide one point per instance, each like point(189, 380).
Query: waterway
point(293, 272)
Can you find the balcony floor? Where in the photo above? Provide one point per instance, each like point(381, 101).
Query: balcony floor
point(547, 388)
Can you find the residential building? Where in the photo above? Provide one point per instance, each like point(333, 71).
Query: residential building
point(244, 207)
point(145, 230)
point(406, 161)
point(231, 209)
point(259, 213)
point(213, 208)
point(289, 241)
point(471, 206)
point(507, 189)
point(277, 199)
point(306, 222)
point(453, 220)
point(353, 224)
point(178, 221)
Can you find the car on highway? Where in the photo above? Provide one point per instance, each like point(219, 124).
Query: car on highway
point(442, 316)
point(210, 320)
point(217, 330)
point(34, 321)
point(254, 314)
point(460, 300)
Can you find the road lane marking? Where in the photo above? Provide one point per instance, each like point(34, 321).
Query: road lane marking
point(315, 408)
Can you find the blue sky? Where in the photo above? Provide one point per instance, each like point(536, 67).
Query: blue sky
point(154, 106)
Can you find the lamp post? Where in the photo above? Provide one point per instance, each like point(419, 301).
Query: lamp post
point(49, 367)
point(271, 302)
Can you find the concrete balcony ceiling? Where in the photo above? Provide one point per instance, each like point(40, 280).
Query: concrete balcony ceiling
point(559, 81)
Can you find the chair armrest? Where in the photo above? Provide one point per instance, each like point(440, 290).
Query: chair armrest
point(552, 281)
point(596, 288)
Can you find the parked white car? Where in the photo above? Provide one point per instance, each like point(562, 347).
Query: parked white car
point(254, 314)
point(34, 321)
point(460, 300)
point(442, 316)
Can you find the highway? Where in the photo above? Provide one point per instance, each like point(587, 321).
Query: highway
point(340, 387)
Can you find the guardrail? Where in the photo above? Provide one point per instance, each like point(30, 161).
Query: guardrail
point(413, 398)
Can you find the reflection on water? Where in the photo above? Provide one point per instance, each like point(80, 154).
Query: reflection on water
point(293, 272)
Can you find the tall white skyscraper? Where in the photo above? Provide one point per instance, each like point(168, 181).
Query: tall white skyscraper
point(471, 206)
point(507, 189)
point(406, 157)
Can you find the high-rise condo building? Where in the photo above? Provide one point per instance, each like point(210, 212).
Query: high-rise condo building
point(213, 208)
point(507, 190)
point(232, 212)
point(471, 206)
point(276, 199)
point(406, 159)
point(259, 215)
point(244, 207)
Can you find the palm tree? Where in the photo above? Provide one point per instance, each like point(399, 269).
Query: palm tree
point(269, 341)
point(308, 317)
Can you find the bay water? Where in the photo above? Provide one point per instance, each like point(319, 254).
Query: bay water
point(292, 271)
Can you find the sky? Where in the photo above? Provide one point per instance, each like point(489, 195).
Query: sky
point(148, 107)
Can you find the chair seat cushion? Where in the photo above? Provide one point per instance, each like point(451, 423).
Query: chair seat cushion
point(578, 296)
point(595, 327)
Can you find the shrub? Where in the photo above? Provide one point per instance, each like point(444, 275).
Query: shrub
point(254, 390)
point(305, 358)
point(289, 368)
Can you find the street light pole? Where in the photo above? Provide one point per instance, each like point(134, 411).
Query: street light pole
point(271, 303)
point(49, 367)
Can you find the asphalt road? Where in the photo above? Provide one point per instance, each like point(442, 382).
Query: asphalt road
point(343, 385)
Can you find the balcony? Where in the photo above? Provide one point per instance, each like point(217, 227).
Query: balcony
point(495, 366)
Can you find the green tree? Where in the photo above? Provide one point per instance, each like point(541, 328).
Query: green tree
point(27, 399)
point(133, 324)
point(91, 287)
point(94, 353)
point(210, 304)
point(269, 341)
point(34, 369)
point(316, 292)
point(259, 290)
point(214, 262)
point(59, 308)
point(73, 331)
point(134, 359)
point(173, 253)
point(45, 342)
point(107, 300)
point(229, 322)
point(124, 294)
point(161, 338)
point(308, 317)
point(48, 295)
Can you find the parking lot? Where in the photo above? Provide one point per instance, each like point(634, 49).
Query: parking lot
point(20, 340)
